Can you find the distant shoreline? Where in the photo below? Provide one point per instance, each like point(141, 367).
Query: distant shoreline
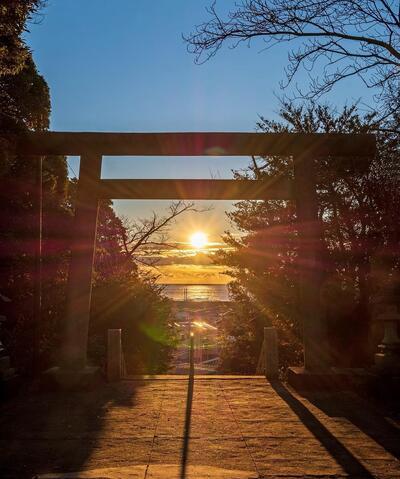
point(202, 303)
point(193, 284)
point(196, 292)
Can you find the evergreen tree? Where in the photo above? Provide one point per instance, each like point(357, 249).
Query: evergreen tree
point(357, 207)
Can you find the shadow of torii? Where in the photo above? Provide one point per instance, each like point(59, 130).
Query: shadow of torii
point(361, 419)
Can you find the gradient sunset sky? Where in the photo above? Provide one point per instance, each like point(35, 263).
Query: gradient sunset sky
point(123, 66)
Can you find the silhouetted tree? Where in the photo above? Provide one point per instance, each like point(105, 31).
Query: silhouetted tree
point(357, 205)
point(25, 105)
point(14, 15)
point(143, 238)
point(125, 298)
point(135, 305)
point(24, 99)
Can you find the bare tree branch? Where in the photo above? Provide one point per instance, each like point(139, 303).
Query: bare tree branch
point(145, 238)
point(350, 37)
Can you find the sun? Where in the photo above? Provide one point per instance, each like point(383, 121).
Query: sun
point(198, 240)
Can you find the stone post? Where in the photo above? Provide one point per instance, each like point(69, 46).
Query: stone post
point(387, 359)
point(114, 355)
point(271, 353)
point(191, 355)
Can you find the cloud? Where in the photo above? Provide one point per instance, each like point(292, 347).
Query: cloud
point(184, 256)
point(185, 265)
point(192, 274)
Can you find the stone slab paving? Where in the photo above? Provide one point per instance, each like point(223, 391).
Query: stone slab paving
point(241, 427)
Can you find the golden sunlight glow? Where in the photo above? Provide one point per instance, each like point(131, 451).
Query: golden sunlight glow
point(199, 240)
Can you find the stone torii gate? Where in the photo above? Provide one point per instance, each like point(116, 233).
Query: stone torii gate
point(303, 148)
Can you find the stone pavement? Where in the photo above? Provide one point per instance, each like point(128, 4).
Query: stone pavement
point(240, 428)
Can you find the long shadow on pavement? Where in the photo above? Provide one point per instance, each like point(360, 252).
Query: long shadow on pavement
point(336, 449)
point(366, 418)
point(188, 413)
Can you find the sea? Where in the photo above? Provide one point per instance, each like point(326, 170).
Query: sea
point(197, 292)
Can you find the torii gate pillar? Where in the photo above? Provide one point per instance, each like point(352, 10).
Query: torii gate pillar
point(74, 350)
point(311, 267)
point(73, 371)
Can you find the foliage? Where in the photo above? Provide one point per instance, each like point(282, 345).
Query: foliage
point(348, 38)
point(18, 249)
point(14, 15)
point(144, 315)
point(124, 299)
point(357, 206)
point(143, 238)
point(24, 99)
point(242, 329)
point(121, 298)
point(25, 105)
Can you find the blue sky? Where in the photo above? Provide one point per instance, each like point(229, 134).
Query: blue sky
point(123, 66)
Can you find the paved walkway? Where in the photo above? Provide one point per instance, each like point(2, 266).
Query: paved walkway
point(240, 428)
